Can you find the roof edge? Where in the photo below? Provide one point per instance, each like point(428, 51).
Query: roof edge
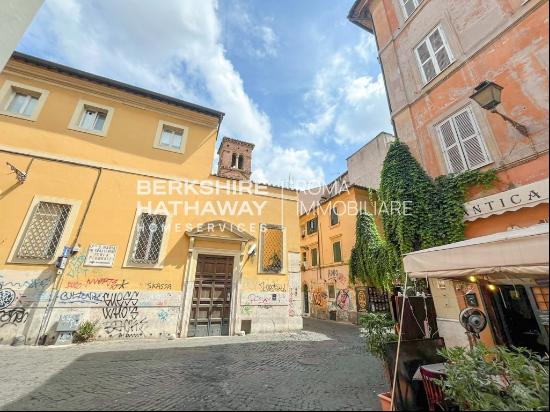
point(116, 84)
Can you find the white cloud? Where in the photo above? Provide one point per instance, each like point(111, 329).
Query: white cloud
point(347, 106)
point(172, 47)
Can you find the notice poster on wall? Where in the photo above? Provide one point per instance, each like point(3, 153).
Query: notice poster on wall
point(101, 255)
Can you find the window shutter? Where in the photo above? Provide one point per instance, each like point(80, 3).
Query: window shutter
point(451, 147)
point(473, 146)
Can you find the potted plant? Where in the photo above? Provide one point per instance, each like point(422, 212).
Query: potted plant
point(379, 330)
point(496, 379)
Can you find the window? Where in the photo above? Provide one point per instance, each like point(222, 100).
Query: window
point(314, 259)
point(22, 103)
point(91, 118)
point(409, 6)
point(331, 292)
point(171, 137)
point(240, 164)
point(304, 257)
point(337, 251)
point(272, 249)
point(148, 239)
point(303, 230)
point(311, 226)
point(234, 160)
point(461, 142)
point(43, 232)
point(334, 218)
point(20, 100)
point(433, 54)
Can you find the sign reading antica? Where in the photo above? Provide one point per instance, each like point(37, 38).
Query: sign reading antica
point(101, 255)
point(523, 196)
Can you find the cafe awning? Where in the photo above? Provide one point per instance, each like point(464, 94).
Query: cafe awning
point(520, 252)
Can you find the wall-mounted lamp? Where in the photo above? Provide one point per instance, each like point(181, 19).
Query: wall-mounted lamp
point(488, 95)
point(472, 279)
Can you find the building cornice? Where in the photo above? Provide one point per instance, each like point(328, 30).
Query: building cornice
point(63, 76)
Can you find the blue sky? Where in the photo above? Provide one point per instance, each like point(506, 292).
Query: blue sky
point(294, 77)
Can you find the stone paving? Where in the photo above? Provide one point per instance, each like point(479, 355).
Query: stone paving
point(325, 367)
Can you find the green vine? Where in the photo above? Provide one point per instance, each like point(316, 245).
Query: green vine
point(435, 216)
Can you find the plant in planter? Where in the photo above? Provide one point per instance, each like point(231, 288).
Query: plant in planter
point(86, 332)
point(496, 379)
point(379, 330)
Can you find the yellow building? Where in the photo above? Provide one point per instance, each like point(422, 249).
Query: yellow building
point(119, 180)
point(328, 237)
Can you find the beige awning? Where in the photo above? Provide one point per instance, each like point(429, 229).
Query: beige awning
point(520, 252)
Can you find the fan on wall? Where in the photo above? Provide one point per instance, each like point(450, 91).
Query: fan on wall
point(474, 321)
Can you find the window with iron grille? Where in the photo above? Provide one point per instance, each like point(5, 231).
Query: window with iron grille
point(43, 232)
point(272, 249)
point(148, 239)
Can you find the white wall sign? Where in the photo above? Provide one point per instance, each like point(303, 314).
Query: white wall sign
point(524, 196)
point(101, 255)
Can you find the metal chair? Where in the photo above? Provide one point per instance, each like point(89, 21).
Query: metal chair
point(434, 391)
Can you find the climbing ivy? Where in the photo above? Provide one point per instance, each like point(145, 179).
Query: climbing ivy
point(435, 216)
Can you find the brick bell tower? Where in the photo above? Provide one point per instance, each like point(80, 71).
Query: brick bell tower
point(235, 159)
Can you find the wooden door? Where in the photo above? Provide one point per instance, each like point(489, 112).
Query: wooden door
point(211, 305)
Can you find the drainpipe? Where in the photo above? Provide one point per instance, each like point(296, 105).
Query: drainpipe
point(58, 283)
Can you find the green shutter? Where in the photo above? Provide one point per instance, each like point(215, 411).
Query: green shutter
point(337, 251)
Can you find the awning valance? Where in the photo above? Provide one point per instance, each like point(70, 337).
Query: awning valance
point(520, 252)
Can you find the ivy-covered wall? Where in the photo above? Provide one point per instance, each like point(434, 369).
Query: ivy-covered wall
point(430, 213)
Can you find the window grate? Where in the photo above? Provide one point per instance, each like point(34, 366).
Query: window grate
point(44, 231)
point(272, 250)
point(148, 239)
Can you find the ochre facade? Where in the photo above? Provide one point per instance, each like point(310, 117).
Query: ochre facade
point(103, 178)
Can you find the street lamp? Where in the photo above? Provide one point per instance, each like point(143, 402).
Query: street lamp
point(488, 95)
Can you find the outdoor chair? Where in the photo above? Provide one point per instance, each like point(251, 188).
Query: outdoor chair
point(434, 392)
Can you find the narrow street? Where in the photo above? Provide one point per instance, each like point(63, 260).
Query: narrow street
point(325, 367)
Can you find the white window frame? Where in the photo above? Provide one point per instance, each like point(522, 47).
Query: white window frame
point(465, 158)
point(416, 4)
point(283, 270)
point(184, 135)
point(63, 240)
point(433, 57)
point(8, 91)
point(163, 247)
point(81, 107)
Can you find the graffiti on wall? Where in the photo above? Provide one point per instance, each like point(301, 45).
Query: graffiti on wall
point(265, 299)
point(121, 315)
point(125, 328)
point(334, 276)
point(272, 287)
point(7, 297)
point(343, 299)
point(294, 295)
point(319, 298)
point(120, 305)
point(14, 316)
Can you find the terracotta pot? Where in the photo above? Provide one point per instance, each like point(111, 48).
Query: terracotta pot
point(385, 401)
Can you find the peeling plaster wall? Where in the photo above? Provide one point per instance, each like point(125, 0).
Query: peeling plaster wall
point(499, 40)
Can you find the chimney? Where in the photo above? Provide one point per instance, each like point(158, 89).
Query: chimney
point(235, 159)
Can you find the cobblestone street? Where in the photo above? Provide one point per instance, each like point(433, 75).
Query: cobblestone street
point(325, 367)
